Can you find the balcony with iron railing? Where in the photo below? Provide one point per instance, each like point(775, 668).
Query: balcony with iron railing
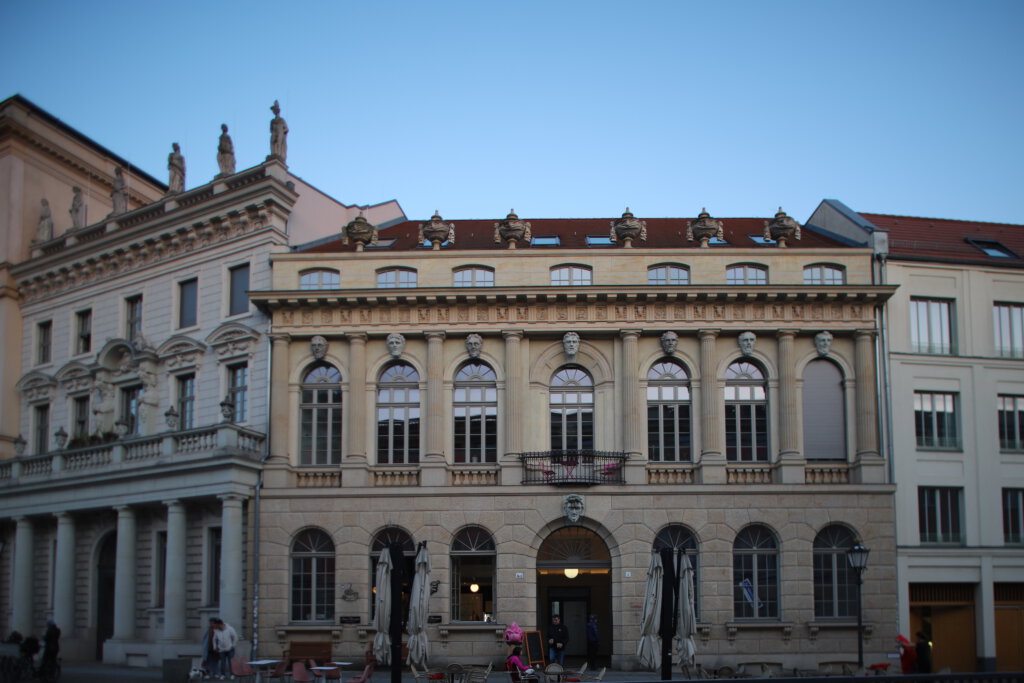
point(574, 467)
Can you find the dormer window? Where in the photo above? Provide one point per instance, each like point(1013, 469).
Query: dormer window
point(991, 248)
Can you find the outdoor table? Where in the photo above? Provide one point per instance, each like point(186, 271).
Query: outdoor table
point(319, 671)
point(262, 665)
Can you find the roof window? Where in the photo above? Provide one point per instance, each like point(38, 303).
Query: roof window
point(991, 248)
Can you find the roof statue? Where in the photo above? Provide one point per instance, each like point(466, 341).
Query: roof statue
point(360, 231)
point(77, 209)
point(225, 152)
point(176, 169)
point(627, 228)
point(437, 231)
point(781, 229)
point(512, 230)
point(44, 229)
point(278, 134)
point(704, 228)
point(119, 193)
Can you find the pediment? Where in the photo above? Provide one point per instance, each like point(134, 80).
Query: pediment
point(180, 351)
point(38, 386)
point(233, 339)
point(75, 377)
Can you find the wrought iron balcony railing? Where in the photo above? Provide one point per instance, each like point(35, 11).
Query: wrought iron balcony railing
point(574, 468)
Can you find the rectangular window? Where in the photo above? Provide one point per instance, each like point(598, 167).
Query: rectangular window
point(1013, 516)
point(213, 567)
point(935, 420)
point(132, 317)
point(931, 326)
point(238, 390)
point(1008, 328)
point(239, 302)
point(1011, 422)
point(186, 401)
point(939, 511)
point(83, 331)
point(41, 428)
point(44, 342)
point(188, 299)
point(80, 417)
point(131, 400)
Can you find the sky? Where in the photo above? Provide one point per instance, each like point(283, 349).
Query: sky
point(555, 108)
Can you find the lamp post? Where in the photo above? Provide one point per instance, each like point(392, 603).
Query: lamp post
point(858, 558)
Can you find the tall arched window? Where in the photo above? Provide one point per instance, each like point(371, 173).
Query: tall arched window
point(381, 543)
point(312, 576)
point(824, 412)
point(398, 415)
point(835, 585)
point(755, 574)
point(572, 410)
point(668, 412)
point(472, 586)
point(746, 413)
point(320, 422)
point(475, 413)
point(678, 537)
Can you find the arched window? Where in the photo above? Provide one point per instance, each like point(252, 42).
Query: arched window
point(746, 274)
point(473, 276)
point(835, 585)
point(824, 274)
point(398, 416)
point(396, 277)
point(668, 274)
point(475, 413)
point(824, 412)
point(313, 576)
point(381, 544)
point(320, 430)
point(572, 410)
point(755, 574)
point(668, 412)
point(746, 413)
point(678, 537)
point(571, 275)
point(320, 278)
point(473, 564)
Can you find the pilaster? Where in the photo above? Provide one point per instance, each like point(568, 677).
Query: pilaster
point(64, 579)
point(355, 461)
point(231, 576)
point(433, 469)
point(21, 599)
point(869, 467)
point(511, 470)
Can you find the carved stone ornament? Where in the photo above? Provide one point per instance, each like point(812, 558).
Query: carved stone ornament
point(571, 345)
point(474, 345)
point(627, 229)
point(396, 344)
point(61, 437)
point(704, 228)
point(360, 231)
point(669, 341)
point(512, 230)
point(172, 419)
point(19, 445)
point(437, 232)
point(823, 343)
point(573, 507)
point(227, 409)
point(781, 229)
point(746, 342)
point(318, 347)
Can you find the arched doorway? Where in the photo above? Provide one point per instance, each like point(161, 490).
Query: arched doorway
point(574, 581)
point(106, 564)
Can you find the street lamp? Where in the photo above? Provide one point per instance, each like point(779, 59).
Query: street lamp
point(858, 557)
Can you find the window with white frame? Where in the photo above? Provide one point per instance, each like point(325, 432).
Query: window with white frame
point(396, 278)
point(320, 278)
point(473, 276)
point(80, 417)
point(238, 278)
point(571, 402)
point(1013, 516)
point(746, 413)
point(188, 302)
point(935, 419)
point(1008, 329)
point(475, 412)
point(931, 325)
point(44, 342)
point(131, 402)
point(824, 274)
point(83, 331)
point(668, 412)
point(755, 574)
point(313, 577)
point(132, 317)
point(320, 421)
point(398, 415)
point(746, 274)
point(238, 389)
point(474, 558)
point(682, 540)
point(41, 427)
point(571, 276)
point(835, 584)
point(668, 274)
point(939, 509)
point(1011, 422)
point(186, 400)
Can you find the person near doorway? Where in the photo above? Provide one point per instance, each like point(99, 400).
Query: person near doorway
point(224, 640)
point(924, 654)
point(210, 658)
point(908, 655)
point(593, 641)
point(558, 638)
point(516, 669)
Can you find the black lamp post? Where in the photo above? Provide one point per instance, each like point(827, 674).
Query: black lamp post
point(858, 557)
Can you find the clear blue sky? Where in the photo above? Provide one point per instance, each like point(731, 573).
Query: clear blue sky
point(556, 109)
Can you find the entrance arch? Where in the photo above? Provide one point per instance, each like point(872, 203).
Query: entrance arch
point(574, 580)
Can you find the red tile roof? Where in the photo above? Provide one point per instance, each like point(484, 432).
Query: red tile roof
point(941, 239)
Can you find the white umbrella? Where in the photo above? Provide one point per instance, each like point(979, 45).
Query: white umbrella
point(686, 617)
point(649, 647)
point(419, 646)
point(382, 609)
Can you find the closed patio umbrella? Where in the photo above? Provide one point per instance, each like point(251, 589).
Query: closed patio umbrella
point(382, 610)
point(649, 647)
point(419, 646)
point(686, 619)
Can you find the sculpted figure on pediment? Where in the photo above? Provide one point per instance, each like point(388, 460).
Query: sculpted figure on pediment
point(278, 134)
point(225, 152)
point(176, 169)
point(119, 194)
point(44, 229)
point(77, 209)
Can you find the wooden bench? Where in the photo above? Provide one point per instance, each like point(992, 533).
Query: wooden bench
point(317, 650)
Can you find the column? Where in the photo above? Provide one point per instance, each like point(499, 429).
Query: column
point(231, 560)
point(712, 452)
point(791, 464)
point(174, 572)
point(869, 465)
point(357, 396)
point(632, 420)
point(64, 579)
point(279, 394)
point(24, 541)
point(435, 394)
point(124, 575)
point(511, 470)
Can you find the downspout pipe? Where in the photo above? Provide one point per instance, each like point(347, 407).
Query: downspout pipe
point(255, 641)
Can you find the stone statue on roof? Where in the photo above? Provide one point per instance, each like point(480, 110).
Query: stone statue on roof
point(225, 152)
point(44, 229)
point(176, 168)
point(278, 134)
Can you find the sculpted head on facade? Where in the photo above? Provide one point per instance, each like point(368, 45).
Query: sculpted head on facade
point(474, 345)
point(318, 347)
point(573, 507)
point(396, 344)
point(823, 342)
point(669, 341)
point(571, 344)
point(746, 341)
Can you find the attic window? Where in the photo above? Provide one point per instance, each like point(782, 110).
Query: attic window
point(599, 241)
point(381, 244)
point(991, 248)
point(759, 239)
point(546, 240)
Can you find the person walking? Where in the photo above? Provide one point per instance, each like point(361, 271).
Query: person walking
point(558, 638)
point(593, 641)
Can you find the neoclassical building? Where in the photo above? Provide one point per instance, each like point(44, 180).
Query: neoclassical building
point(544, 402)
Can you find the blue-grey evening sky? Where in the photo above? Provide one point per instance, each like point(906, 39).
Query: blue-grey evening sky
point(556, 109)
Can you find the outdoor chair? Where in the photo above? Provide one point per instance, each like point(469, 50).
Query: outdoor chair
point(240, 669)
point(478, 675)
point(300, 674)
point(367, 673)
point(280, 671)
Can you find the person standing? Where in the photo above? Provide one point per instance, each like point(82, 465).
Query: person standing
point(924, 654)
point(593, 641)
point(210, 657)
point(558, 638)
point(224, 640)
point(908, 655)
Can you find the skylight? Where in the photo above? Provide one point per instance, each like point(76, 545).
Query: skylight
point(546, 241)
point(599, 241)
point(991, 248)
